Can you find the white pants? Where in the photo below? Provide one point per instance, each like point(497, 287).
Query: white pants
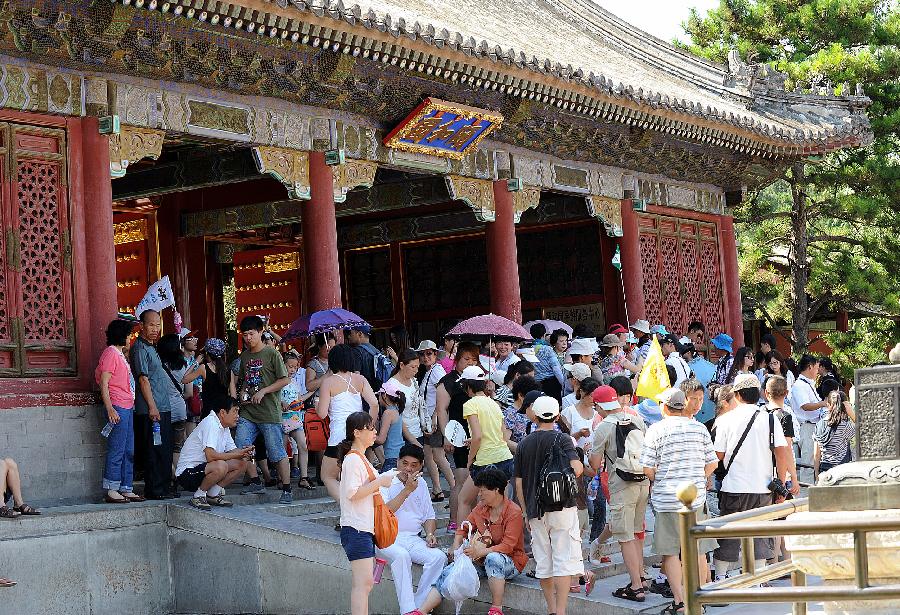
point(556, 544)
point(407, 550)
point(805, 443)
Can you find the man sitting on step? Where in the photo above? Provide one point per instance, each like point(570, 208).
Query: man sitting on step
point(210, 460)
point(409, 498)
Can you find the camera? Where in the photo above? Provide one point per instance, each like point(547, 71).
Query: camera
point(777, 487)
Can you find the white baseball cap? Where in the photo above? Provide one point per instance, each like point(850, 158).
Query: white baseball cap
point(473, 372)
point(545, 407)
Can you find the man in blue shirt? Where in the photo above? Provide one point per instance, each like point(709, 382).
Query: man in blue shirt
point(704, 371)
point(151, 406)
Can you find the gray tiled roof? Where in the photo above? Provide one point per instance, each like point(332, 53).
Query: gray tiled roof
point(583, 45)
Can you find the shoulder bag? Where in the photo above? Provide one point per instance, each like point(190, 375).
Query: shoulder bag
point(739, 444)
point(385, 519)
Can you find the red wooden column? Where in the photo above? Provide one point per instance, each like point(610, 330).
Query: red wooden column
point(320, 251)
point(100, 250)
point(503, 264)
point(731, 281)
point(632, 270)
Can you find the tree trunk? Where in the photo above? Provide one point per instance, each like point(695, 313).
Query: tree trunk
point(799, 264)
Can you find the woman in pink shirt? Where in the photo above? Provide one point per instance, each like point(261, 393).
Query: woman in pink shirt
point(113, 374)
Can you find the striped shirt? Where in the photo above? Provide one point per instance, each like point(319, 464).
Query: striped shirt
point(679, 448)
point(834, 442)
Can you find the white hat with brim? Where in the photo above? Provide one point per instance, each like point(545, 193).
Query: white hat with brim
point(579, 371)
point(426, 345)
point(745, 381)
point(583, 346)
point(641, 325)
point(528, 355)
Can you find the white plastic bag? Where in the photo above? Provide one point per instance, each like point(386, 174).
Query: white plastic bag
point(462, 581)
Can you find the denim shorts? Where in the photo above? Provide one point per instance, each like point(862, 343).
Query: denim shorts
point(504, 466)
point(390, 463)
point(272, 433)
point(357, 545)
point(495, 566)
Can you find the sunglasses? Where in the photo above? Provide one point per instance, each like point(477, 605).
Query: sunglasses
point(428, 353)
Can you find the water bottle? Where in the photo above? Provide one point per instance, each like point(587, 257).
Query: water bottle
point(157, 436)
point(107, 430)
point(378, 569)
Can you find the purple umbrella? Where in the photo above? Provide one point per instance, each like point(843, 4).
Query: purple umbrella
point(489, 326)
point(323, 321)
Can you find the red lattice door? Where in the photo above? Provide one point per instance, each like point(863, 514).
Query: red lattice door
point(267, 283)
point(711, 280)
point(650, 264)
point(39, 321)
point(682, 280)
point(9, 245)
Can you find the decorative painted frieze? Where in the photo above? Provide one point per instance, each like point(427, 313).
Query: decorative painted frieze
point(131, 144)
point(289, 166)
point(608, 211)
point(476, 193)
point(352, 174)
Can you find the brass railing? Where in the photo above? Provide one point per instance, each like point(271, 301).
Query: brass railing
point(756, 523)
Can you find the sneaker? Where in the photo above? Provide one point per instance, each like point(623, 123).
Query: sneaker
point(200, 503)
point(495, 610)
point(295, 473)
point(415, 612)
point(286, 498)
point(254, 489)
point(218, 500)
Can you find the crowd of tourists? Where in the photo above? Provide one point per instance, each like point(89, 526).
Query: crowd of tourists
point(536, 449)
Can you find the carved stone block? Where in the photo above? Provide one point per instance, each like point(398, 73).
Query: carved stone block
point(878, 412)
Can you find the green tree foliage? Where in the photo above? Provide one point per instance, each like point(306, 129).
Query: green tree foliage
point(824, 237)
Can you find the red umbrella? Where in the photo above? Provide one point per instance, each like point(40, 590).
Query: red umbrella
point(489, 326)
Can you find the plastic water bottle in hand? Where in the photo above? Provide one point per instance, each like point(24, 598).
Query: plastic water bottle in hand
point(157, 435)
point(106, 430)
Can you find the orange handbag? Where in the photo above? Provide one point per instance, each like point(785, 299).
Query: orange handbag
point(385, 519)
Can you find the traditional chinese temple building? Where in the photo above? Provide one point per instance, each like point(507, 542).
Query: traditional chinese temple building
point(411, 161)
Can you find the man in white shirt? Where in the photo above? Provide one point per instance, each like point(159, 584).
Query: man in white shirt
point(747, 440)
point(408, 497)
point(807, 408)
point(671, 349)
point(209, 459)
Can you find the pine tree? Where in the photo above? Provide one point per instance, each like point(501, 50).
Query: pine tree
point(823, 238)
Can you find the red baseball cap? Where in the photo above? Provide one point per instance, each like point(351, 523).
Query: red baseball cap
point(617, 328)
point(606, 397)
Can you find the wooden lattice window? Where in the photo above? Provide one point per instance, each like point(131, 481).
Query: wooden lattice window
point(682, 273)
point(37, 325)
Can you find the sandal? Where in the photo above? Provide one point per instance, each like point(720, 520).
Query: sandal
point(673, 609)
point(589, 579)
point(6, 582)
point(25, 509)
point(629, 593)
point(8, 513)
point(133, 497)
point(437, 496)
point(304, 483)
point(111, 500)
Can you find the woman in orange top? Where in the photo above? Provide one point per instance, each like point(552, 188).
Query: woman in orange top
point(499, 550)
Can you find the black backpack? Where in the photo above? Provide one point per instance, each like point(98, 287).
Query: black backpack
point(557, 485)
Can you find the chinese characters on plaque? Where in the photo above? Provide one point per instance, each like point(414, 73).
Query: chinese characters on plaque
point(443, 129)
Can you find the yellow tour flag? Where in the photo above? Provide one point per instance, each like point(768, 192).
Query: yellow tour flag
point(654, 378)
